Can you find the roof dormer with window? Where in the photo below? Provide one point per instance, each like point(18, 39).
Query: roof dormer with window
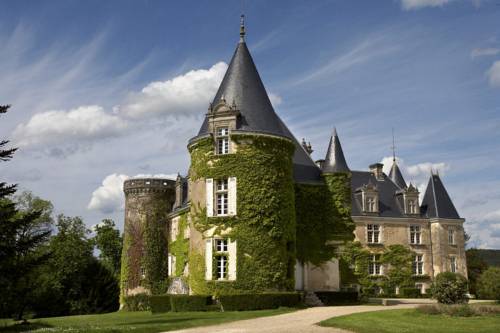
point(368, 195)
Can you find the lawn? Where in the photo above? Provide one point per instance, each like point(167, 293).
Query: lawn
point(140, 322)
point(400, 321)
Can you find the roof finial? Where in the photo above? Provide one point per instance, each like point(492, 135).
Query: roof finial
point(242, 28)
point(393, 147)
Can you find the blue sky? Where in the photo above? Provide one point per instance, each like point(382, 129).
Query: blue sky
point(105, 90)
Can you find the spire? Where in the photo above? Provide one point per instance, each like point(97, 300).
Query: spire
point(396, 176)
point(437, 203)
point(335, 160)
point(243, 87)
point(242, 28)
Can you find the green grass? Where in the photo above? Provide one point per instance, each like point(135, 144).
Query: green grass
point(400, 321)
point(136, 322)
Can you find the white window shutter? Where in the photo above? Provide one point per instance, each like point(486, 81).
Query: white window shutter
point(232, 195)
point(209, 182)
point(208, 259)
point(232, 260)
point(170, 272)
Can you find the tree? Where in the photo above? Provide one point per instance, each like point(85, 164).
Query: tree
point(449, 288)
point(475, 267)
point(22, 235)
point(109, 242)
point(488, 284)
point(398, 261)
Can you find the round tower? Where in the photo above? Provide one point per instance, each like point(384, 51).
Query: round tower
point(144, 256)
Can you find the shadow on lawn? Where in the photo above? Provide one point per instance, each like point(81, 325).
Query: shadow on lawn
point(162, 321)
point(23, 327)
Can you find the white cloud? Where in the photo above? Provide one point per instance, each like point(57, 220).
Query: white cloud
point(489, 51)
point(54, 128)
point(109, 197)
point(494, 74)
point(183, 95)
point(418, 4)
point(275, 99)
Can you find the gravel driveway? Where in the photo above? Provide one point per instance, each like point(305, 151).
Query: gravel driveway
point(302, 321)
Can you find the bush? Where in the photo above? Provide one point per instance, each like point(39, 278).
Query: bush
point(182, 303)
point(138, 302)
point(410, 292)
point(449, 288)
point(245, 302)
point(160, 304)
point(458, 310)
point(488, 284)
point(338, 297)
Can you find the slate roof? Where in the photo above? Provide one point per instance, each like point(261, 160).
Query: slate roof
point(437, 202)
point(243, 86)
point(335, 160)
point(396, 175)
point(389, 206)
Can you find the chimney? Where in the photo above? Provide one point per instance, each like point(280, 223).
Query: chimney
point(376, 169)
point(307, 146)
point(178, 191)
point(320, 164)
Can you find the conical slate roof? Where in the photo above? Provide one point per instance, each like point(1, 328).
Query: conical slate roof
point(335, 160)
point(243, 86)
point(396, 176)
point(437, 203)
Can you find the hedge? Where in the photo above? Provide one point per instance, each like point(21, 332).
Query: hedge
point(411, 292)
point(338, 297)
point(180, 303)
point(138, 302)
point(245, 302)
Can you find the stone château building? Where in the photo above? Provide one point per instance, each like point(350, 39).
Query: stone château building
point(256, 213)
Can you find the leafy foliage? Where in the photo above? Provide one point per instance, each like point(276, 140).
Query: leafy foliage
point(264, 228)
point(476, 265)
point(247, 302)
point(398, 262)
point(488, 284)
point(449, 288)
point(180, 247)
point(109, 242)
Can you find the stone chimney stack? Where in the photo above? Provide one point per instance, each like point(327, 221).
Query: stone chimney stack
point(178, 191)
point(376, 169)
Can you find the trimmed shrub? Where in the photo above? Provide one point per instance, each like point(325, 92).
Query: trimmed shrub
point(160, 304)
point(459, 310)
point(449, 288)
point(182, 303)
point(338, 297)
point(410, 292)
point(138, 302)
point(488, 284)
point(245, 302)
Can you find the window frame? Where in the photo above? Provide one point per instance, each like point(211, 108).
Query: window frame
point(222, 140)
point(221, 197)
point(451, 236)
point(374, 265)
point(453, 264)
point(373, 229)
point(415, 234)
point(418, 264)
point(221, 254)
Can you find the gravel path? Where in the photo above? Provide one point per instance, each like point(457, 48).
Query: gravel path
point(302, 321)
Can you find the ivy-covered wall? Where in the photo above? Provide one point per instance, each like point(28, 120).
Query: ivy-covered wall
point(264, 227)
point(323, 214)
point(180, 246)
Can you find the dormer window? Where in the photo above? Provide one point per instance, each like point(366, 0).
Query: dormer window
point(371, 205)
point(412, 206)
point(222, 140)
point(410, 196)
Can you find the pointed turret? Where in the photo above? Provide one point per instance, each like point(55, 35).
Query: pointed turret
point(396, 176)
point(437, 203)
point(335, 160)
point(243, 88)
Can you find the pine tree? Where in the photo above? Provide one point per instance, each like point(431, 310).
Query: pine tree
point(21, 237)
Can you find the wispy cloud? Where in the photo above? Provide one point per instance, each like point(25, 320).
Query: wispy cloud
point(482, 52)
point(418, 4)
point(494, 74)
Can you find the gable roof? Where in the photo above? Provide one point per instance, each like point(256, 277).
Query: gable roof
point(335, 159)
point(243, 86)
point(437, 203)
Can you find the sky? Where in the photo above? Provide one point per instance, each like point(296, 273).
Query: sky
point(106, 90)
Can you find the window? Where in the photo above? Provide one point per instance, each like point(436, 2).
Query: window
point(418, 265)
point(412, 206)
point(453, 264)
point(221, 248)
point(222, 197)
point(451, 236)
point(415, 234)
point(373, 233)
point(420, 287)
point(143, 272)
point(371, 204)
point(221, 245)
point(374, 265)
point(222, 140)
